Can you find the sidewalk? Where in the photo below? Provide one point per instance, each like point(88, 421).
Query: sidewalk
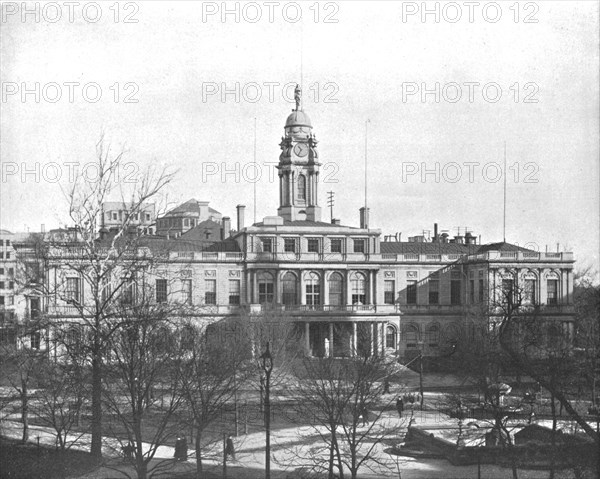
point(287, 445)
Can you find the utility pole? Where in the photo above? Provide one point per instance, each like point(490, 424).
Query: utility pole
point(330, 202)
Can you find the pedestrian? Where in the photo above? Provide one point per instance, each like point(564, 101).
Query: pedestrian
point(386, 386)
point(229, 449)
point(399, 406)
point(364, 414)
point(184, 449)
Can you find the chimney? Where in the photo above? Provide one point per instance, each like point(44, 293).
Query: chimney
point(444, 238)
point(364, 218)
point(240, 217)
point(458, 239)
point(435, 232)
point(226, 229)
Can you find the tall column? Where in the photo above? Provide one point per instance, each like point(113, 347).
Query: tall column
point(307, 337)
point(370, 277)
point(325, 289)
point(383, 326)
point(348, 289)
point(248, 286)
point(543, 287)
point(278, 287)
point(302, 297)
point(330, 340)
point(293, 188)
point(354, 346)
point(371, 329)
point(255, 287)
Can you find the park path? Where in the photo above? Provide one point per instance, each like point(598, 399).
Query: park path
point(287, 445)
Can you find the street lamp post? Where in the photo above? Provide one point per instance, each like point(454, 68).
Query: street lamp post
point(421, 347)
point(267, 367)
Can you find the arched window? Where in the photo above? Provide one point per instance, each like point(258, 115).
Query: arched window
point(265, 287)
point(390, 337)
point(290, 289)
point(302, 187)
point(410, 335)
point(433, 335)
point(313, 289)
point(359, 288)
point(336, 289)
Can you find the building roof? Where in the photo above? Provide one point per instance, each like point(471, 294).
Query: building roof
point(502, 246)
point(198, 232)
point(409, 247)
point(406, 247)
point(306, 224)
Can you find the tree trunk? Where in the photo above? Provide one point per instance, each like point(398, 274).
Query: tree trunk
point(96, 447)
point(25, 411)
point(553, 451)
point(198, 455)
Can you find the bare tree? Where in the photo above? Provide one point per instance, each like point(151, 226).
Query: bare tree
point(344, 399)
point(101, 264)
point(213, 369)
point(20, 364)
point(144, 358)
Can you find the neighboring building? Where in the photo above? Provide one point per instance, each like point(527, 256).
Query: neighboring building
point(347, 290)
point(185, 217)
point(115, 213)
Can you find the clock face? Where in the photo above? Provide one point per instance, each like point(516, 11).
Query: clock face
point(301, 149)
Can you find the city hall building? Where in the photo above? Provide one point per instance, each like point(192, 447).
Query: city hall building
point(347, 289)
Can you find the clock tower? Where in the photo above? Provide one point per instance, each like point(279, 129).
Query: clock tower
point(298, 168)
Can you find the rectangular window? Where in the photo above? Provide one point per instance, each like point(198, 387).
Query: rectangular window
point(1, 242)
point(11, 285)
point(1, 254)
point(552, 291)
point(336, 245)
point(530, 287)
point(72, 292)
point(11, 300)
point(507, 291)
point(115, 216)
point(289, 245)
point(434, 291)
point(1, 270)
point(210, 291)
point(7, 242)
point(481, 291)
point(11, 271)
point(455, 292)
point(161, 290)
point(1, 300)
point(389, 291)
point(313, 295)
point(127, 290)
point(147, 216)
point(1, 284)
point(313, 245)
point(186, 289)
point(472, 291)
point(8, 255)
point(411, 292)
point(234, 292)
point(267, 245)
point(359, 245)
point(265, 292)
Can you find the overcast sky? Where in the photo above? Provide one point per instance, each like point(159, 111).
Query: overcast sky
point(524, 75)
